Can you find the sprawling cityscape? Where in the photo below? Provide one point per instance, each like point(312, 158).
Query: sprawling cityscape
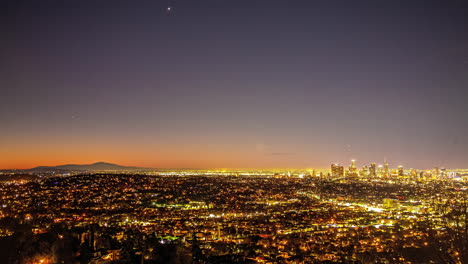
point(234, 132)
point(373, 214)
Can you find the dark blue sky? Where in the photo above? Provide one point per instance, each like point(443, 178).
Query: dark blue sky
point(233, 83)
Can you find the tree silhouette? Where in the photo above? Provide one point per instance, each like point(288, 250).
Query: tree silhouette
point(451, 241)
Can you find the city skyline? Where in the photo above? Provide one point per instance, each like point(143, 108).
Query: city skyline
point(226, 84)
point(347, 165)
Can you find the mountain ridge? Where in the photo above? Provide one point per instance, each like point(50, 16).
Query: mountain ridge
point(85, 167)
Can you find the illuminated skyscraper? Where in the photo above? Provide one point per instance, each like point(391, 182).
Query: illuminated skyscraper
point(372, 172)
point(364, 172)
point(337, 170)
point(352, 169)
point(386, 169)
point(380, 171)
point(401, 171)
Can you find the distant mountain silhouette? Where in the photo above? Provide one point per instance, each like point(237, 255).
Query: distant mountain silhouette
point(86, 167)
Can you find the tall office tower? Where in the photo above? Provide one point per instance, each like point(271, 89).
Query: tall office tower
point(337, 170)
point(341, 171)
point(352, 168)
point(380, 171)
point(386, 169)
point(364, 172)
point(401, 171)
point(436, 172)
point(372, 172)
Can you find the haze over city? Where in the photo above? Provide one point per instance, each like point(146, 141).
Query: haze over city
point(214, 84)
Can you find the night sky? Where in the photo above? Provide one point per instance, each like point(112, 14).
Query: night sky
point(233, 83)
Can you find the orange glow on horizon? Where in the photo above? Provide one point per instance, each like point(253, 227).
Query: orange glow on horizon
point(150, 155)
